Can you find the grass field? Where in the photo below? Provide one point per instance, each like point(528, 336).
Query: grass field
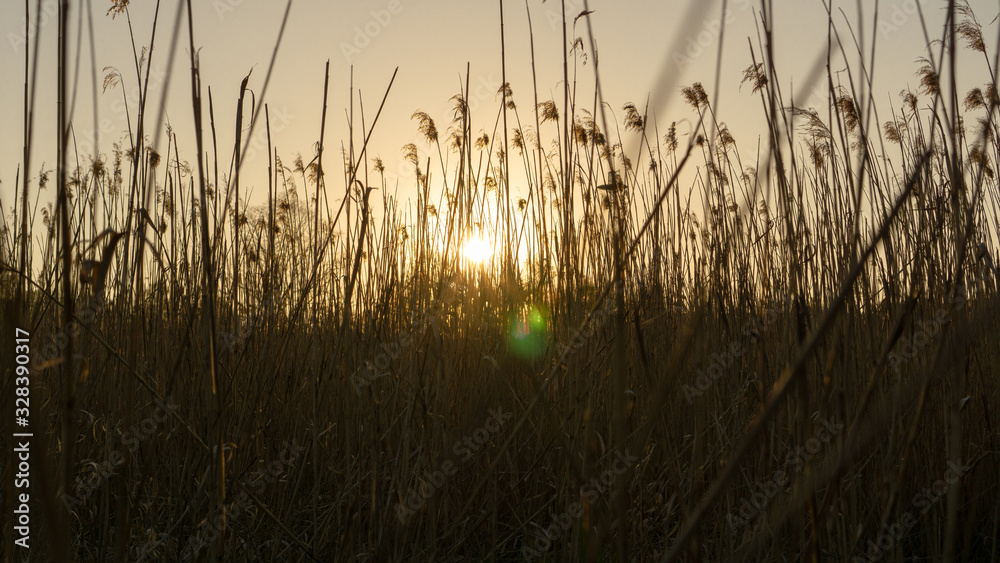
point(697, 351)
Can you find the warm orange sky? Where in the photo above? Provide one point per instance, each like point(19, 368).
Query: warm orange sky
point(641, 45)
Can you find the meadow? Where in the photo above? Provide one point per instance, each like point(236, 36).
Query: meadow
point(694, 351)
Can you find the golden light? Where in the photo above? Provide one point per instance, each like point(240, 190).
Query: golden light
point(477, 249)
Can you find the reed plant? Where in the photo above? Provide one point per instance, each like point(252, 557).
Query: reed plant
point(742, 353)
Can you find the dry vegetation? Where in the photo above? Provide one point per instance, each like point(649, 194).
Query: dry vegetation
point(789, 375)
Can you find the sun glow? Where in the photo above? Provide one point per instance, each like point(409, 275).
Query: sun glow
point(477, 249)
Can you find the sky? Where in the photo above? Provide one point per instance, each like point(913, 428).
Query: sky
point(647, 51)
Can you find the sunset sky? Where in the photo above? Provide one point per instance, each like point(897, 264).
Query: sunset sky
point(646, 49)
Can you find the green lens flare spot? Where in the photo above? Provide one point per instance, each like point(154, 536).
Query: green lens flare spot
point(527, 335)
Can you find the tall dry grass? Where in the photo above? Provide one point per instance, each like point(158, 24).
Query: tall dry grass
point(298, 381)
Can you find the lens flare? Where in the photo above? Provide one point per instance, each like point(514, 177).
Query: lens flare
point(528, 333)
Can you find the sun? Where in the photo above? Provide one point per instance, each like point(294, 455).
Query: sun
point(477, 249)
